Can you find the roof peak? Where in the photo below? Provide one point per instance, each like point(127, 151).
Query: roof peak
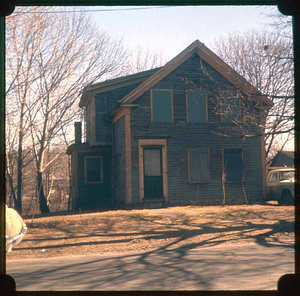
point(208, 56)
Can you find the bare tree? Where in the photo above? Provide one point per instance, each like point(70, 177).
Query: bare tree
point(64, 52)
point(20, 56)
point(144, 59)
point(265, 59)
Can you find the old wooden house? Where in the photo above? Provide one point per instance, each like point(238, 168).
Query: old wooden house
point(174, 134)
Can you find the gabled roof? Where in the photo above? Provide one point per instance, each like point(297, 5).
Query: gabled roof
point(111, 84)
point(283, 159)
point(213, 60)
point(290, 154)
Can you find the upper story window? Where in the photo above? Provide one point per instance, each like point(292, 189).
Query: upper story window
point(196, 106)
point(230, 106)
point(93, 169)
point(233, 166)
point(162, 105)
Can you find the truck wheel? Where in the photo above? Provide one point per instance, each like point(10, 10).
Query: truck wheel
point(287, 198)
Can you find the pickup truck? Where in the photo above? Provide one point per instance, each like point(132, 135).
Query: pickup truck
point(280, 186)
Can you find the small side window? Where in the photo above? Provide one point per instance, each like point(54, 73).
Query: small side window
point(273, 177)
point(93, 169)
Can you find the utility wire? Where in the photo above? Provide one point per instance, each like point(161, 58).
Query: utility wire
point(96, 10)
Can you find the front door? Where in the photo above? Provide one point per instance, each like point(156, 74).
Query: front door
point(153, 177)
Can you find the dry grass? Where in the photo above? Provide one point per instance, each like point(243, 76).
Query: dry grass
point(139, 230)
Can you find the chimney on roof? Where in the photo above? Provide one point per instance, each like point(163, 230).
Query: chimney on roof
point(77, 132)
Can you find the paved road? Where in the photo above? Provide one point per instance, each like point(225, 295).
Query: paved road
point(222, 267)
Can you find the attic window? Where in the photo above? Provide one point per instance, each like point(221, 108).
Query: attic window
point(93, 169)
point(196, 106)
point(230, 106)
point(161, 105)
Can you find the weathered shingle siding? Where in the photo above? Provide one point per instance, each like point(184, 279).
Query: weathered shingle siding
point(88, 122)
point(103, 126)
point(182, 135)
point(120, 161)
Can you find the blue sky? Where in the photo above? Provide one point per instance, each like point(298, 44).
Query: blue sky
point(172, 29)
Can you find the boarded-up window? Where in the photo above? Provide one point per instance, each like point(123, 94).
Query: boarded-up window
point(199, 165)
point(93, 169)
point(230, 106)
point(196, 106)
point(161, 106)
point(233, 164)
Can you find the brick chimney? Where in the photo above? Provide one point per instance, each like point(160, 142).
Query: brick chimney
point(77, 132)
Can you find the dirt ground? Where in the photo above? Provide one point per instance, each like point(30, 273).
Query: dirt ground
point(148, 229)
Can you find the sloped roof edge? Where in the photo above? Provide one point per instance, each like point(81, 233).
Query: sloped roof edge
point(290, 154)
point(212, 59)
point(113, 84)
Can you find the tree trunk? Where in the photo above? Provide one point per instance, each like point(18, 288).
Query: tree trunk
point(70, 183)
point(18, 204)
point(10, 180)
point(42, 199)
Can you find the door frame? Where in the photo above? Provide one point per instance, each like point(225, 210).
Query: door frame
point(151, 143)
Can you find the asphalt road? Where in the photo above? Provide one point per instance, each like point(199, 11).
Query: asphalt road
point(222, 267)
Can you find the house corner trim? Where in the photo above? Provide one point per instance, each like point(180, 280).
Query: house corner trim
point(93, 119)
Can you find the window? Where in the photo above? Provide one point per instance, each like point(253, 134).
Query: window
point(93, 169)
point(273, 177)
point(196, 106)
point(199, 165)
point(233, 166)
point(287, 176)
point(161, 106)
point(230, 106)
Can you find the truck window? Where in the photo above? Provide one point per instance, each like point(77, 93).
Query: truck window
point(273, 177)
point(287, 176)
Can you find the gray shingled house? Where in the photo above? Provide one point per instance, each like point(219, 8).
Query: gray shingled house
point(165, 135)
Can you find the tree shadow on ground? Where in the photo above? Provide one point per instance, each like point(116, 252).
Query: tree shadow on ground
point(177, 232)
point(177, 249)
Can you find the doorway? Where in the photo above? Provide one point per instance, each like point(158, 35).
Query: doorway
point(153, 181)
point(153, 169)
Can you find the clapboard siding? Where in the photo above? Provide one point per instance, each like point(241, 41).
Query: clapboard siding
point(103, 103)
point(181, 135)
point(103, 126)
point(88, 122)
point(120, 160)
